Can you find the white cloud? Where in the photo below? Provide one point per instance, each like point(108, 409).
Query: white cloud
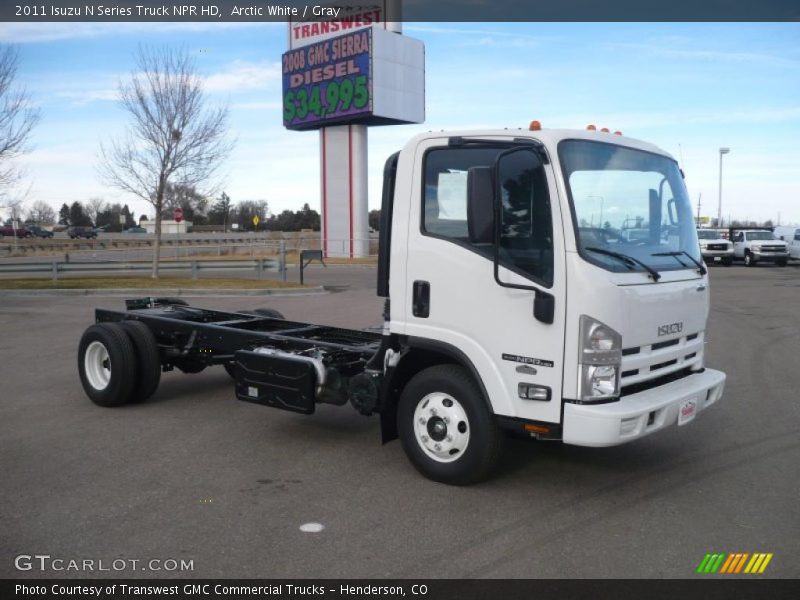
point(241, 75)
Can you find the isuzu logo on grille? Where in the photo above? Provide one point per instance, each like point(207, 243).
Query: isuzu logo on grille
point(670, 329)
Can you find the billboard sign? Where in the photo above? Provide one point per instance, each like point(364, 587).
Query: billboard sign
point(330, 81)
point(371, 76)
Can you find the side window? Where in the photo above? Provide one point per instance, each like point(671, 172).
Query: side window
point(797, 236)
point(526, 229)
point(739, 237)
point(445, 195)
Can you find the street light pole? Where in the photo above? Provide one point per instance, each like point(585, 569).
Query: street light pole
point(719, 207)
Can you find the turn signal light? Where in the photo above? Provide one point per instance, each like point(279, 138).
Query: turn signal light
point(533, 428)
point(535, 126)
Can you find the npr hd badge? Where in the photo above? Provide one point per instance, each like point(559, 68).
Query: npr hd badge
point(527, 360)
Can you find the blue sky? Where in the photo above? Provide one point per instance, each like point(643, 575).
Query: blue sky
point(689, 88)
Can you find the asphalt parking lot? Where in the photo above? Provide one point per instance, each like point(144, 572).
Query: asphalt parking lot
point(194, 474)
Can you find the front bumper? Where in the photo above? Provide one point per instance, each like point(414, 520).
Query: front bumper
point(716, 255)
point(770, 256)
point(627, 420)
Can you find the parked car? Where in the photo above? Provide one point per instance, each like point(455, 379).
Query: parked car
point(135, 230)
point(39, 232)
point(754, 246)
point(20, 232)
point(76, 232)
point(714, 248)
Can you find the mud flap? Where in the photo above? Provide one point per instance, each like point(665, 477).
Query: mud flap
point(276, 381)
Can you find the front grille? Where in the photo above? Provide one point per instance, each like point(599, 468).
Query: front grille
point(666, 344)
point(635, 388)
point(641, 364)
point(717, 246)
point(772, 248)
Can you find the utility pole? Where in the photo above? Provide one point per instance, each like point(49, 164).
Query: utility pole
point(700, 195)
point(722, 151)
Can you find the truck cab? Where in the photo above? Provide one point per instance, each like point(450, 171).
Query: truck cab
point(759, 245)
point(507, 256)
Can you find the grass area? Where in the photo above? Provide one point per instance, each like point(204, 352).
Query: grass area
point(143, 283)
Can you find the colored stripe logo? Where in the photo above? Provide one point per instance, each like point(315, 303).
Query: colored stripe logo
point(734, 563)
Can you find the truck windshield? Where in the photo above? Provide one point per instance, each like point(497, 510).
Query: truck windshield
point(760, 235)
point(706, 234)
point(628, 202)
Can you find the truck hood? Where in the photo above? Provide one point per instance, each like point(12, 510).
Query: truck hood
point(662, 311)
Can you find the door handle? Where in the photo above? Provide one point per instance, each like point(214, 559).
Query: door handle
point(421, 299)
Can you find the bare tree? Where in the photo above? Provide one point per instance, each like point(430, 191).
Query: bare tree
point(94, 206)
point(42, 213)
point(17, 118)
point(172, 137)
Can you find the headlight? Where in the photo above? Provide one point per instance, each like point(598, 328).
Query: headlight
point(600, 357)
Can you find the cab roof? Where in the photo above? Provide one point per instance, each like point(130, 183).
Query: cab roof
point(551, 137)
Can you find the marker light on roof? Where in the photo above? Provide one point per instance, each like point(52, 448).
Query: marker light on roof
point(591, 128)
point(535, 126)
point(617, 133)
point(604, 130)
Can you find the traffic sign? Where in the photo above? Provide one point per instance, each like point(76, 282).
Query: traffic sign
point(256, 220)
point(178, 214)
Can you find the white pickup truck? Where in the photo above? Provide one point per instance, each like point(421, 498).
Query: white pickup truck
point(714, 247)
point(759, 245)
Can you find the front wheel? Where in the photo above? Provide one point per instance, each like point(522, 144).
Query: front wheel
point(781, 263)
point(749, 261)
point(446, 427)
point(727, 262)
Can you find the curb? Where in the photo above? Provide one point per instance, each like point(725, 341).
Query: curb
point(139, 292)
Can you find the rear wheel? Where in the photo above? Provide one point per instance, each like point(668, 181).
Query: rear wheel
point(107, 364)
point(148, 358)
point(446, 428)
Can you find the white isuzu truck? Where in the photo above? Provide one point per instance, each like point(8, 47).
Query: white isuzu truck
point(514, 301)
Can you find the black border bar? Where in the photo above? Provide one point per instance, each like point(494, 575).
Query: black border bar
point(410, 10)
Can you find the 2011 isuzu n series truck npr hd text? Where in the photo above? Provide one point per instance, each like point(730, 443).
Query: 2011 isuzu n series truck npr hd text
point(515, 300)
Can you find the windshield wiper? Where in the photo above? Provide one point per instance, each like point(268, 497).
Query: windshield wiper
point(700, 266)
point(628, 260)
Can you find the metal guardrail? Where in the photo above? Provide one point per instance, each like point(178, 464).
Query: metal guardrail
point(55, 267)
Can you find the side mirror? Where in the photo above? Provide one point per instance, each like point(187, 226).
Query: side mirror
point(480, 205)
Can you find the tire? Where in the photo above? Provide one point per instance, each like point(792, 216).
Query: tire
point(749, 261)
point(148, 358)
point(453, 407)
point(781, 263)
point(727, 262)
point(107, 364)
